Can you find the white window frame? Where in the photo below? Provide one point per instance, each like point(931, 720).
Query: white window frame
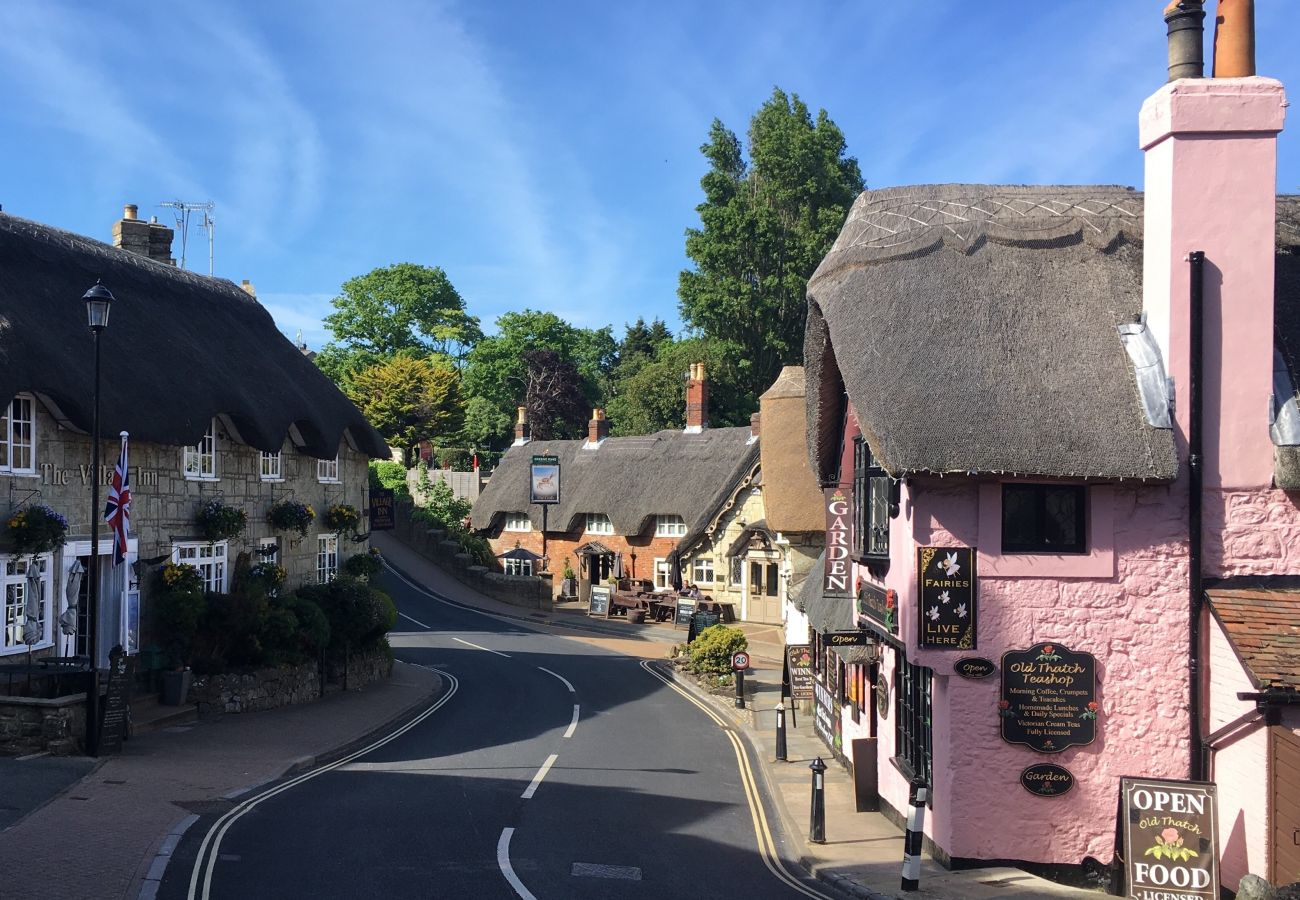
point(327, 558)
point(702, 564)
point(13, 416)
point(670, 526)
point(663, 575)
point(518, 522)
point(210, 559)
point(517, 566)
point(599, 523)
point(199, 462)
point(262, 544)
point(15, 599)
point(272, 466)
point(327, 470)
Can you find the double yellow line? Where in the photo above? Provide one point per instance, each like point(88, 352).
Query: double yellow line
point(762, 833)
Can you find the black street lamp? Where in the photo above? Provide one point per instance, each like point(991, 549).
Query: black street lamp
point(98, 299)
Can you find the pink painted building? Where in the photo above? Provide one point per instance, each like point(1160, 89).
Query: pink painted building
point(1012, 370)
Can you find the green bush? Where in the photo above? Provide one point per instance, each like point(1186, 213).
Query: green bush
point(441, 507)
point(295, 630)
point(359, 616)
point(178, 606)
point(386, 473)
point(712, 648)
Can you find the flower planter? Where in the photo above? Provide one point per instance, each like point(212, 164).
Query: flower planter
point(176, 687)
point(636, 616)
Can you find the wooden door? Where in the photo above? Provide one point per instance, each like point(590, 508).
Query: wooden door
point(1285, 753)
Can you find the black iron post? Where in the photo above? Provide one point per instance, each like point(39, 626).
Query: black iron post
point(781, 752)
point(97, 301)
point(740, 688)
point(817, 826)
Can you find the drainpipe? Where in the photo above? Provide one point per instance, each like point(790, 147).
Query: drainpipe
point(1195, 478)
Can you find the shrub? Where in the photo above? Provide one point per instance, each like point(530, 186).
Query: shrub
point(178, 607)
point(444, 506)
point(219, 522)
point(392, 475)
point(295, 630)
point(359, 616)
point(712, 648)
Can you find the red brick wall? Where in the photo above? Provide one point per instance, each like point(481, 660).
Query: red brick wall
point(647, 547)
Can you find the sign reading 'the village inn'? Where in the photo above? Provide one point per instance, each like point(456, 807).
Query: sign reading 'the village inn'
point(1170, 839)
point(836, 583)
point(947, 613)
point(1049, 697)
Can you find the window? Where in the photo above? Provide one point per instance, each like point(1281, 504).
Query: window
point(663, 575)
point(16, 586)
point(1043, 518)
point(599, 523)
point(327, 558)
point(209, 559)
point(268, 548)
point(912, 729)
point(518, 566)
point(735, 571)
point(670, 526)
point(702, 570)
point(201, 459)
point(518, 522)
point(327, 470)
point(273, 466)
point(18, 437)
point(871, 496)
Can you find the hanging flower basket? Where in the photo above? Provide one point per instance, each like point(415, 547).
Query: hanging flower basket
point(270, 575)
point(342, 517)
point(37, 529)
point(219, 522)
point(364, 565)
point(291, 515)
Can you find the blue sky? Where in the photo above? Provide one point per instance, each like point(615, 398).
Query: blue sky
point(545, 155)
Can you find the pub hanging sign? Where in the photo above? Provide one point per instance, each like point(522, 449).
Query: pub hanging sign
point(836, 575)
point(947, 614)
point(1048, 698)
point(879, 605)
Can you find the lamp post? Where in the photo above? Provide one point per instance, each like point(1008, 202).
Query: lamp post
point(97, 299)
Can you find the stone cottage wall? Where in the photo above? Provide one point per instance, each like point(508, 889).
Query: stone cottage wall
point(260, 689)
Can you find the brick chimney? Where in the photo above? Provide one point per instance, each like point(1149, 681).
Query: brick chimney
point(523, 432)
point(1210, 185)
point(697, 400)
point(247, 287)
point(597, 429)
point(149, 239)
point(755, 419)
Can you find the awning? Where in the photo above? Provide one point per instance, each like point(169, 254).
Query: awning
point(1262, 622)
point(824, 613)
point(592, 548)
point(857, 656)
point(519, 553)
point(741, 544)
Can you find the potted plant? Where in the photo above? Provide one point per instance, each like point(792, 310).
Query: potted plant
point(567, 587)
point(364, 565)
point(37, 529)
point(342, 517)
point(219, 522)
point(291, 515)
point(178, 607)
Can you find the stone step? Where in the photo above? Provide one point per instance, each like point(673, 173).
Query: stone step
point(147, 715)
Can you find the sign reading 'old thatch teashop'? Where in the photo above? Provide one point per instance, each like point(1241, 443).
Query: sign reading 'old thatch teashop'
point(878, 604)
point(1170, 839)
point(1049, 697)
point(946, 616)
point(836, 575)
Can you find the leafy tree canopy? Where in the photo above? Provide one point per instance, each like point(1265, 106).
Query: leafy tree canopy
point(654, 397)
point(766, 224)
point(407, 399)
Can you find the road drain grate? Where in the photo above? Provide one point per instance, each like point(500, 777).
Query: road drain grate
point(595, 870)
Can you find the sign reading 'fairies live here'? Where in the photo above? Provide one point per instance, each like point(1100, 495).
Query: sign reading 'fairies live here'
point(1049, 697)
point(947, 613)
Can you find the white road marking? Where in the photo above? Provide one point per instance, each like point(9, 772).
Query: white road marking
point(477, 647)
point(503, 861)
point(409, 619)
point(559, 676)
point(537, 779)
point(573, 726)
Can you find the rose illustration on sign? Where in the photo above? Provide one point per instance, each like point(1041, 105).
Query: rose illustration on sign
point(1091, 711)
point(1048, 654)
point(1169, 845)
point(889, 610)
point(1004, 709)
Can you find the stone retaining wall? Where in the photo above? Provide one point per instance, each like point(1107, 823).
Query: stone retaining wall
point(30, 724)
point(259, 689)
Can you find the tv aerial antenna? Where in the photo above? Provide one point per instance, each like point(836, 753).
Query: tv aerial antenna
point(183, 211)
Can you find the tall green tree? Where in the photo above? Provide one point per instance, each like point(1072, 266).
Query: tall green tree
point(653, 397)
point(402, 308)
point(408, 399)
point(766, 223)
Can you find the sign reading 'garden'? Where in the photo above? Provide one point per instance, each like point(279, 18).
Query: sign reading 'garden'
point(947, 612)
point(1049, 697)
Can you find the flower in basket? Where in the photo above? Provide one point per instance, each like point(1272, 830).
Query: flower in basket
point(269, 574)
point(181, 578)
point(342, 517)
point(364, 565)
point(291, 515)
point(220, 522)
point(37, 529)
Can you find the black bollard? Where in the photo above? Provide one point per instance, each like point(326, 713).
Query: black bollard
point(817, 828)
point(740, 688)
point(912, 838)
point(780, 732)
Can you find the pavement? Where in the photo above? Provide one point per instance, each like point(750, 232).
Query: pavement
point(109, 832)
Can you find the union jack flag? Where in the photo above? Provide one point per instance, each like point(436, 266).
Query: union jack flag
point(117, 511)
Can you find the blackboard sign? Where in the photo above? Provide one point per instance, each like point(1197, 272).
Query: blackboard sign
point(1170, 838)
point(598, 602)
point(946, 576)
point(799, 673)
point(117, 708)
point(1049, 697)
point(877, 604)
point(685, 609)
point(974, 667)
point(1047, 780)
point(382, 517)
point(826, 720)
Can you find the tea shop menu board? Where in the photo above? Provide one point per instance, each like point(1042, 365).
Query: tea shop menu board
point(1170, 838)
point(1048, 700)
point(946, 577)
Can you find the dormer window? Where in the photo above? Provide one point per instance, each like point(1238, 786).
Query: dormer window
point(272, 466)
point(599, 523)
point(200, 461)
point(518, 522)
point(871, 488)
point(670, 526)
point(18, 437)
point(327, 470)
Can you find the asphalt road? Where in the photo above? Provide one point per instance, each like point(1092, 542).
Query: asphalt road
point(552, 769)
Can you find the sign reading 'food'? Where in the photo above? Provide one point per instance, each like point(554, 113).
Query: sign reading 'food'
point(1170, 839)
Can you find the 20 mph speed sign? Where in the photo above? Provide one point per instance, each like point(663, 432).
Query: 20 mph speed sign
point(740, 660)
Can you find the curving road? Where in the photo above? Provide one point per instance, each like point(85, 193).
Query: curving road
point(550, 769)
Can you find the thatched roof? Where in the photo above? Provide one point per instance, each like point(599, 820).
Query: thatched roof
point(629, 479)
point(180, 348)
point(792, 500)
point(974, 328)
